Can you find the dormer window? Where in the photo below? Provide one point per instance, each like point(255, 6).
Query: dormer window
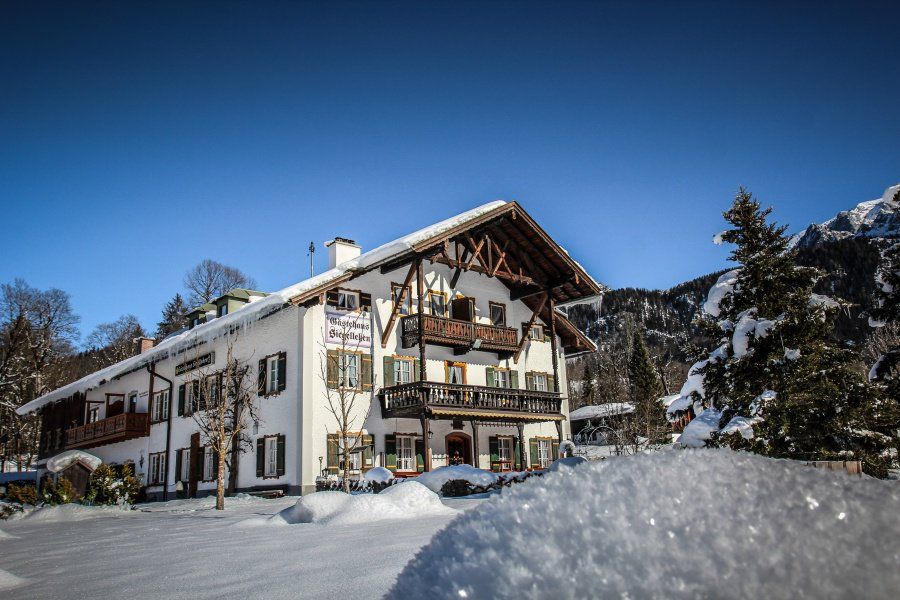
point(222, 310)
point(347, 300)
point(195, 321)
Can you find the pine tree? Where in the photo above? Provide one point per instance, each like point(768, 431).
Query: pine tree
point(885, 373)
point(649, 423)
point(173, 317)
point(777, 370)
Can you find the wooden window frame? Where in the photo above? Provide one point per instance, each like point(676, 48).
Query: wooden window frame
point(511, 461)
point(266, 439)
point(413, 437)
point(213, 467)
point(536, 326)
point(153, 406)
point(412, 367)
point(342, 373)
point(452, 363)
point(265, 360)
point(356, 293)
point(185, 464)
point(444, 298)
point(272, 382)
point(506, 370)
point(549, 441)
point(152, 475)
point(499, 305)
point(407, 300)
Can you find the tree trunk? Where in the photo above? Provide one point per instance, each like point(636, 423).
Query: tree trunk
point(346, 462)
point(220, 482)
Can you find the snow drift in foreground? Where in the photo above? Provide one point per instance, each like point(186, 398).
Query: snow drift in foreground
point(9, 581)
point(686, 524)
point(405, 500)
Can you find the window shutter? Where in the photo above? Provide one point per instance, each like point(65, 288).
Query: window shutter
point(198, 396)
point(201, 460)
point(390, 451)
point(365, 300)
point(494, 449)
point(533, 454)
point(282, 371)
point(261, 381)
point(260, 456)
point(368, 451)
point(178, 465)
point(181, 400)
point(389, 371)
point(333, 443)
point(514, 380)
point(332, 357)
point(529, 380)
point(367, 371)
point(331, 298)
point(417, 365)
point(554, 450)
point(280, 458)
point(489, 376)
point(420, 455)
point(551, 383)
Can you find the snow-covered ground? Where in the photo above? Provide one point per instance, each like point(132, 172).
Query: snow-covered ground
point(185, 549)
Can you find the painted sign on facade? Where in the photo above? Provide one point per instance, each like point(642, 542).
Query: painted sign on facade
point(352, 329)
point(195, 363)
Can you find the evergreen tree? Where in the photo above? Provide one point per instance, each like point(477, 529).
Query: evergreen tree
point(885, 373)
point(784, 388)
point(649, 424)
point(173, 317)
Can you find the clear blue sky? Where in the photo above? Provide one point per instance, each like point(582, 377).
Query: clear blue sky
point(138, 139)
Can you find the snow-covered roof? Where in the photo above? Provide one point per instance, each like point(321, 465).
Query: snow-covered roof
point(599, 411)
point(253, 311)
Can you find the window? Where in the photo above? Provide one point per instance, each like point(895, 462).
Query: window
point(160, 406)
point(536, 333)
point(222, 310)
point(501, 378)
point(406, 457)
point(190, 400)
point(543, 450)
point(209, 470)
point(403, 371)
point(185, 473)
point(157, 472)
point(540, 382)
point(213, 385)
point(349, 370)
point(195, 321)
point(347, 300)
point(93, 413)
point(132, 402)
point(406, 306)
point(272, 377)
point(505, 449)
point(498, 314)
point(456, 373)
point(271, 459)
point(438, 301)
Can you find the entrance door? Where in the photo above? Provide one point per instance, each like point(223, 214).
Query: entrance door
point(459, 449)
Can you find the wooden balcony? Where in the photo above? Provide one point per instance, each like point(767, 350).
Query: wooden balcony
point(107, 431)
point(448, 401)
point(460, 335)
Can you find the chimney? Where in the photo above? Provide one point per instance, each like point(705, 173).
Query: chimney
point(143, 344)
point(341, 250)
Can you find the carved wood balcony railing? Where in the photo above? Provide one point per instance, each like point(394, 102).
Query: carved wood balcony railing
point(458, 334)
point(107, 431)
point(410, 399)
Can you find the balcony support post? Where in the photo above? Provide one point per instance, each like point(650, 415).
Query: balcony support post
point(523, 461)
point(559, 434)
point(420, 283)
point(426, 443)
point(553, 349)
point(527, 331)
point(398, 304)
point(476, 462)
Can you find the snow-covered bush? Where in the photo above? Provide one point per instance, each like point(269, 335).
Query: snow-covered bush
point(21, 494)
point(57, 492)
point(687, 524)
point(108, 487)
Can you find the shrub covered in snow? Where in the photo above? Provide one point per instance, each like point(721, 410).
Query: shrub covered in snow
point(435, 480)
point(567, 462)
point(688, 524)
point(58, 492)
point(108, 487)
point(402, 501)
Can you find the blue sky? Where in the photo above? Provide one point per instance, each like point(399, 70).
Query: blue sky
point(137, 139)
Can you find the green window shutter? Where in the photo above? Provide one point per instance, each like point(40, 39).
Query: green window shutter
point(390, 451)
point(260, 456)
point(201, 459)
point(333, 449)
point(533, 453)
point(279, 466)
point(332, 357)
point(514, 380)
point(417, 365)
point(518, 454)
point(554, 450)
point(261, 378)
point(366, 372)
point(177, 465)
point(494, 449)
point(529, 380)
point(389, 371)
point(551, 383)
point(420, 455)
point(368, 451)
point(489, 376)
point(282, 371)
point(181, 400)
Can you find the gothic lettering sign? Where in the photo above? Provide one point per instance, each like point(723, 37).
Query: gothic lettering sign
point(351, 330)
point(195, 363)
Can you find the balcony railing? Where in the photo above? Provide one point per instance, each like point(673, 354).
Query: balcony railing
point(458, 334)
point(107, 431)
point(409, 399)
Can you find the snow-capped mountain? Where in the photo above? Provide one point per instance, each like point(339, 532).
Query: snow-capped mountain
point(878, 218)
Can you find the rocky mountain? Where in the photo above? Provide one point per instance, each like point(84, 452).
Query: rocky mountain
point(878, 218)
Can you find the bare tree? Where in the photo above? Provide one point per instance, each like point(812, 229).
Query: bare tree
point(225, 406)
point(114, 342)
point(210, 279)
point(348, 385)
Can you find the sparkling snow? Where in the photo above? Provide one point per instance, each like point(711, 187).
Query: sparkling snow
point(436, 479)
point(724, 285)
point(682, 524)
